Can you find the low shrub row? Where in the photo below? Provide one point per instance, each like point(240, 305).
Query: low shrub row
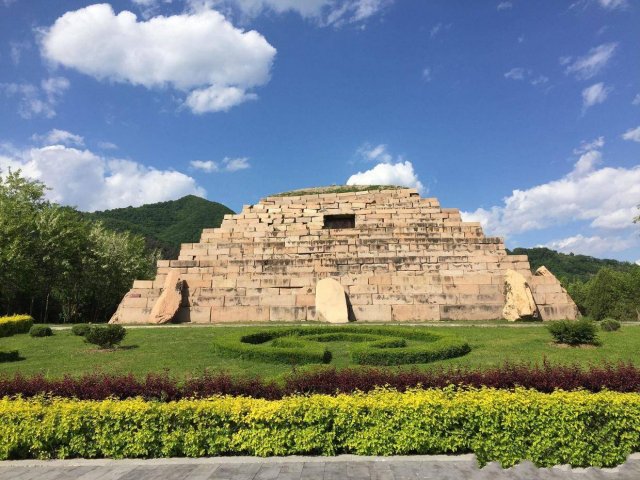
point(371, 345)
point(577, 428)
point(544, 378)
point(15, 324)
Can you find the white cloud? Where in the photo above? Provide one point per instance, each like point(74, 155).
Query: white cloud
point(325, 12)
point(227, 165)
point(59, 137)
point(400, 173)
point(439, 28)
point(107, 146)
point(93, 182)
point(149, 7)
point(504, 6)
point(377, 153)
point(235, 164)
point(516, 73)
point(612, 4)
point(590, 64)
point(584, 147)
point(208, 166)
point(606, 197)
point(592, 245)
point(632, 134)
point(636, 100)
point(596, 93)
point(519, 73)
point(37, 101)
point(426, 74)
point(539, 80)
point(198, 52)
point(217, 99)
point(16, 49)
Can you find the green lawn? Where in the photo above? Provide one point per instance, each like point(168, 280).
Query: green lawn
point(187, 351)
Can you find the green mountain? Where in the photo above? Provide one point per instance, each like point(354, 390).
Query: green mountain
point(166, 225)
point(570, 267)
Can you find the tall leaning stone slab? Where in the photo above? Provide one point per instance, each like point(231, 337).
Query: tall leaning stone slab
point(170, 299)
point(519, 303)
point(331, 302)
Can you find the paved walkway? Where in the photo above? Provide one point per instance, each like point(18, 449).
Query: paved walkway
point(344, 467)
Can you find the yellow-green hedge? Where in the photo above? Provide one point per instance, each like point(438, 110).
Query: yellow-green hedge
point(15, 324)
point(579, 428)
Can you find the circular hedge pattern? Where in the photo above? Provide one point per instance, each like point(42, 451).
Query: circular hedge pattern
point(368, 345)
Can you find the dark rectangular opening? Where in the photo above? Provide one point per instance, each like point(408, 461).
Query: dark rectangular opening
point(340, 221)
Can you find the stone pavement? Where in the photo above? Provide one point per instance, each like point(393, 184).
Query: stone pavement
point(348, 467)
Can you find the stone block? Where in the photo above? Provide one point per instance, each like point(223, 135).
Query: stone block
point(470, 312)
point(143, 284)
point(305, 300)
point(278, 300)
point(240, 314)
point(372, 313)
point(288, 314)
point(415, 313)
point(136, 302)
point(559, 312)
point(193, 315)
point(133, 315)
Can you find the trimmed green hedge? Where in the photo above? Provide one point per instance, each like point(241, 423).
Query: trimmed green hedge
point(371, 345)
point(574, 332)
point(577, 428)
point(15, 324)
point(40, 331)
point(80, 329)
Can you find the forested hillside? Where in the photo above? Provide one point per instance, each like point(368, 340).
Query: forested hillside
point(166, 225)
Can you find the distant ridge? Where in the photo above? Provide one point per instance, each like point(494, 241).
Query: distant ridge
point(166, 225)
point(570, 267)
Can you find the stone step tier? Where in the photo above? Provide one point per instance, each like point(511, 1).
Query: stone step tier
point(407, 259)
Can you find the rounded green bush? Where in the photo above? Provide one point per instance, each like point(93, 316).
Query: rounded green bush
point(80, 329)
point(574, 332)
point(40, 331)
point(105, 336)
point(610, 325)
point(368, 345)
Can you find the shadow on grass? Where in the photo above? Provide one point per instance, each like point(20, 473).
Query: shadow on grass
point(113, 349)
point(12, 356)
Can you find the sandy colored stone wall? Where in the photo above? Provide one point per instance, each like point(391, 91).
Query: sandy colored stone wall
point(407, 259)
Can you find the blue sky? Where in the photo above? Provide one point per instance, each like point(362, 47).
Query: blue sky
point(525, 115)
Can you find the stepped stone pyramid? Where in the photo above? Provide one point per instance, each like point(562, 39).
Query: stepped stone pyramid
point(397, 256)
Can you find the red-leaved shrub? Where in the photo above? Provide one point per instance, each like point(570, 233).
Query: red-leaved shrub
point(545, 377)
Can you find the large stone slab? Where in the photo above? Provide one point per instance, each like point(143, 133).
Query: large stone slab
point(170, 299)
point(519, 303)
point(331, 302)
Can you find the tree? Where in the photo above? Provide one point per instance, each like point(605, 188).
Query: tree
point(21, 201)
point(609, 294)
point(52, 256)
point(114, 261)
